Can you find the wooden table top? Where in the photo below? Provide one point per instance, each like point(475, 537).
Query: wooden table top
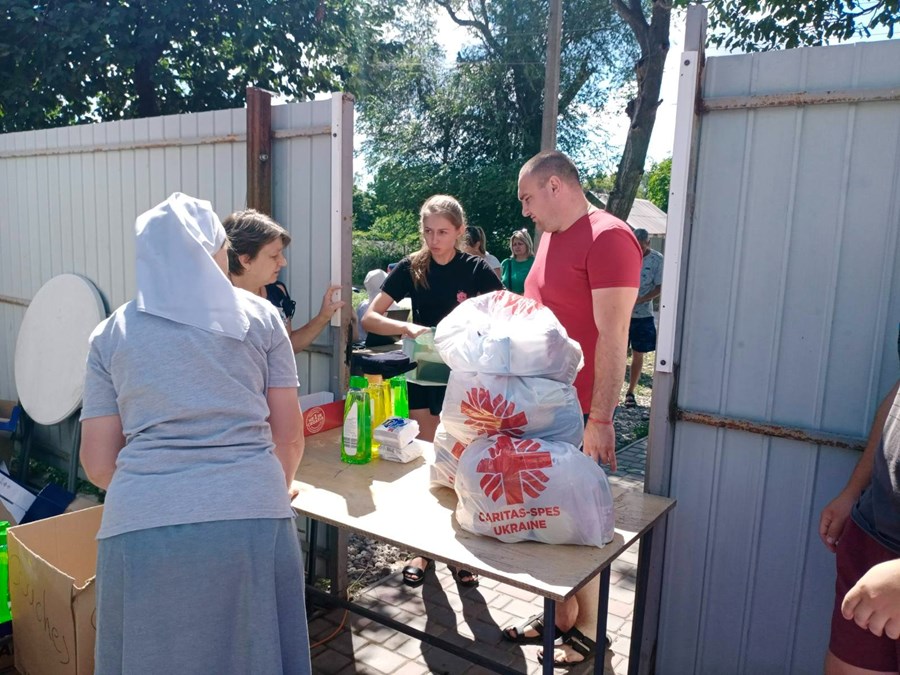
point(394, 502)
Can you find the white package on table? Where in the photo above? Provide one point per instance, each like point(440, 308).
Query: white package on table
point(502, 333)
point(516, 489)
point(396, 432)
point(447, 451)
point(524, 407)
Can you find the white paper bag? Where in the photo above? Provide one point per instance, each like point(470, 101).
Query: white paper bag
point(502, 333)
point(517, 489)
point(524, 407)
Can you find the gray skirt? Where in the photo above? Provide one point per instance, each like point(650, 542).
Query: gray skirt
point(223, 597)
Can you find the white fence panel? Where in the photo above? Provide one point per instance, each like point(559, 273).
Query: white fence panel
point(69, 198)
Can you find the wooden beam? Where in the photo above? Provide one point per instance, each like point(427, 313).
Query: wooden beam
point(259, 150)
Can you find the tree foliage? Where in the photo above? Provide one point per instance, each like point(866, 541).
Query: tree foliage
point(658, 180)
point(755, 25)
point(87, 60)
point(466, 129)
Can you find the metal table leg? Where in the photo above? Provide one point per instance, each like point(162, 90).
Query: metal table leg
point(602, 611)
point(640, 600)
point(549, 632)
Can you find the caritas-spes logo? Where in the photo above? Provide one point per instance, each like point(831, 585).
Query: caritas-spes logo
point(489, 415)
point(514, 469)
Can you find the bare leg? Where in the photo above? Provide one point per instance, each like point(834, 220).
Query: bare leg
point(637, 364)
point(579, 611)
point(566, 614)
point(427, 423)
point(834, 666)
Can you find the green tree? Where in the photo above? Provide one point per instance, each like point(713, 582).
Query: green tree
point(88, 60)
point(755, 25)
point(364, 209)
point(658, 179)
point(466, 129)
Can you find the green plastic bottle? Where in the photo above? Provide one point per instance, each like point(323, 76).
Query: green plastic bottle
point(356, 439)
point(5, 614)
point(399, 396)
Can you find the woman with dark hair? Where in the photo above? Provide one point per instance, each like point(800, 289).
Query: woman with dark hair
point(256, 257)
point(474, 245)
point(438, 277)
point(191, 424)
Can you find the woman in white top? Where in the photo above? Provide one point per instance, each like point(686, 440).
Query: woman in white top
point(474, 245)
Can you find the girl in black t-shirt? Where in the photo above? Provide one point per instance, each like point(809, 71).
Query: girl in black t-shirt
point(437, 277)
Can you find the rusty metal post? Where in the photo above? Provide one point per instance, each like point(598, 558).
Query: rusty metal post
point(259, 150)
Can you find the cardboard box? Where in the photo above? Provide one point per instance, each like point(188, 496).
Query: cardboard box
point(52, 564)
point(323, 417)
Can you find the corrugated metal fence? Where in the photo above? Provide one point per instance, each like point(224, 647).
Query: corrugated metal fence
point(69, 198)
point(790, 310)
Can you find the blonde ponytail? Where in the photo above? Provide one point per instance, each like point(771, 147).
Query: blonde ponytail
point(436, 205)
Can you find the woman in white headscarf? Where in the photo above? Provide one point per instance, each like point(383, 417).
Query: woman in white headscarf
point(191, 423)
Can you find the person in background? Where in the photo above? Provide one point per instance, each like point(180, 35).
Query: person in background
point(642, 331)
point(256, 257)
point(372, 283)
point(587, 271)
point(438, 277)
point(515, 269)
point(861, 526)
point(192, 425)
point(474, 245)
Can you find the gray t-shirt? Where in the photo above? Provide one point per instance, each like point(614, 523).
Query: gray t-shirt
point(651, 277)
point(878, 510)
point(198, 446)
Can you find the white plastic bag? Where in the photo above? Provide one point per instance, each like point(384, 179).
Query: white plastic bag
point(524, 407)
point(447, 451)
point(517, 489)
point(502, 333)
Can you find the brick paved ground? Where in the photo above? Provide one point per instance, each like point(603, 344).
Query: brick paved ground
point(469, 617)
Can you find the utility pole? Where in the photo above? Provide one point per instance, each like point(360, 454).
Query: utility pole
point(551, 84)
point(551, 77)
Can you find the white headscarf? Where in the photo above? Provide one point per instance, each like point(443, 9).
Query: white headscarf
point(177, 277)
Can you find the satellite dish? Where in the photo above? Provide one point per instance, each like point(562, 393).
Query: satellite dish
point(52, 347)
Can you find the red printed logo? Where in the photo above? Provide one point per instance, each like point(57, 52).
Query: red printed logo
point(315, 420)
point(489, 416)
point(517, 304)
point(457, 449)
point(514, 469)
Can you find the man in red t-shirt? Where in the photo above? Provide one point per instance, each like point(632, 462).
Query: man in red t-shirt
point(587, 270)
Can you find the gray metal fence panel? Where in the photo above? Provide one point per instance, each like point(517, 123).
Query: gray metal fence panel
point(791, 311)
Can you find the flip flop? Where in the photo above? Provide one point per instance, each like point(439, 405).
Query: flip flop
point(414, 575)
point(460, 576)
point(580, 644)
point(535, 623)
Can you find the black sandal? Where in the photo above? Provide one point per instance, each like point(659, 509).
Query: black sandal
point(413, 575)
point(580, 644)
point(460, 576)
point(535, 623)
